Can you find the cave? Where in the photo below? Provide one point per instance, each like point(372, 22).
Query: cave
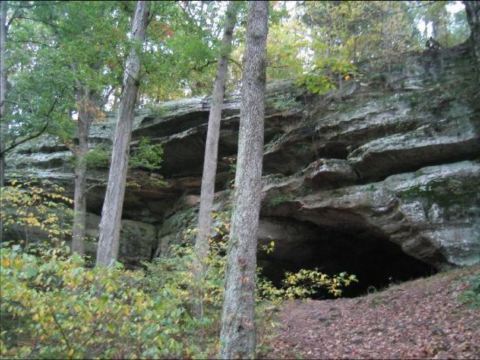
point(366, 253)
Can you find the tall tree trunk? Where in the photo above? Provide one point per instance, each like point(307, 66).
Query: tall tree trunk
point(237, 337)
point(3, 87)
point(109, 239)
point(472, 9)
point(86, 115)
point(211, 150)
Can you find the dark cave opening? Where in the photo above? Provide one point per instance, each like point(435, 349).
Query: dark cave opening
point(376, 261)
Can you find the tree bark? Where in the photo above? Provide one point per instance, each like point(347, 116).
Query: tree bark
point(237, 337)
point(109, 239)
point(211, 150)
point(86, 116)
point(472, 9)
point(3, 87)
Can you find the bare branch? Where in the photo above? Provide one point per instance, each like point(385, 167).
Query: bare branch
point(93, 186)
point(34, 136)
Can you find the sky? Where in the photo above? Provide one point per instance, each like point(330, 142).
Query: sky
point(452, 8)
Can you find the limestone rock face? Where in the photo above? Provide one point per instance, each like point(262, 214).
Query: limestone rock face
point(393, 158)
point(138, 240)
point(432, 214)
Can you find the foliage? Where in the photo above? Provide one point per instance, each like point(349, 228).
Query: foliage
point(172, 275)
point(316, 83)
point(471, 296)
point(327, 75)
point(448, 28)
point(116, 313)
point(98, 157)
point(283, 103)
point(354, 31)
point(146, 155)
point(59, 52)
point(182, 40)
point(303, 44)
point(301, 284)
point(285, 57)
point(109, 312)
point(146, 181)
point(52, 307)
point(53, 52)
point(280, 199)
point(30, 208)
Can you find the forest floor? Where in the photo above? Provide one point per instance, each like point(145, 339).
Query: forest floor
point(423, 318)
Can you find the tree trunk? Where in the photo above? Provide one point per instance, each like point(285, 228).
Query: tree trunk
point(86, 116)
point(109, 239)
point(3, 88)
point(211, 150)
point(237, 337)
point(472, 9)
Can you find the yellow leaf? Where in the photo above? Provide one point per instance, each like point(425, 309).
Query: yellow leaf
point(5, 262)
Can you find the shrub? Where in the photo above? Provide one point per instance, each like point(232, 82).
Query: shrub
point(98, 157)
point(144, 156)
point(307, 282)
point(32, 209)
point(53, 307)
point(471, 296)
point(147, 156)
point(325, 75)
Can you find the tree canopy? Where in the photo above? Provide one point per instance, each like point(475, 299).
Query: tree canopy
point(53, 47)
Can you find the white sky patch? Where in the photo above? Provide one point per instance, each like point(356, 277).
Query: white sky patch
point(452, 7)
point(291, 5)
point(421, 27)
point(455, 7)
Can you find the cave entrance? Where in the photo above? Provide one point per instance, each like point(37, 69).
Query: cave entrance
point(369, 255)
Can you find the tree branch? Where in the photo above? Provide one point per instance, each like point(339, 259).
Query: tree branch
point(235, 62)
point(53, 26)
point(9, 22)
point(62, 332)
point(34, 136)
point(203, 66)
point(93, 186)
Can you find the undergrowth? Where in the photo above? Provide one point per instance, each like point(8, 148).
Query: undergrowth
point(54, 306)
point(471, 296)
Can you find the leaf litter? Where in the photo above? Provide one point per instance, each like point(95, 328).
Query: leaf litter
point(423, 318)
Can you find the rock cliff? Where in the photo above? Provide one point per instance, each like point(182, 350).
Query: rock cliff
point(382, 173)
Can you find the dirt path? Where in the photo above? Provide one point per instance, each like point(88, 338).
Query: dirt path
point(417, 319)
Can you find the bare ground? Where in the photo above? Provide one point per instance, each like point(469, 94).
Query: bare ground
point(418, 319)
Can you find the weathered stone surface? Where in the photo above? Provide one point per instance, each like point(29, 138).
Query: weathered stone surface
point(330, 173)
point(437, 142)
point(138, 240)
point(433, 214)
point(393, 157)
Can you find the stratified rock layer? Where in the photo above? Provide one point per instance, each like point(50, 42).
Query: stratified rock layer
point(393, 157)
